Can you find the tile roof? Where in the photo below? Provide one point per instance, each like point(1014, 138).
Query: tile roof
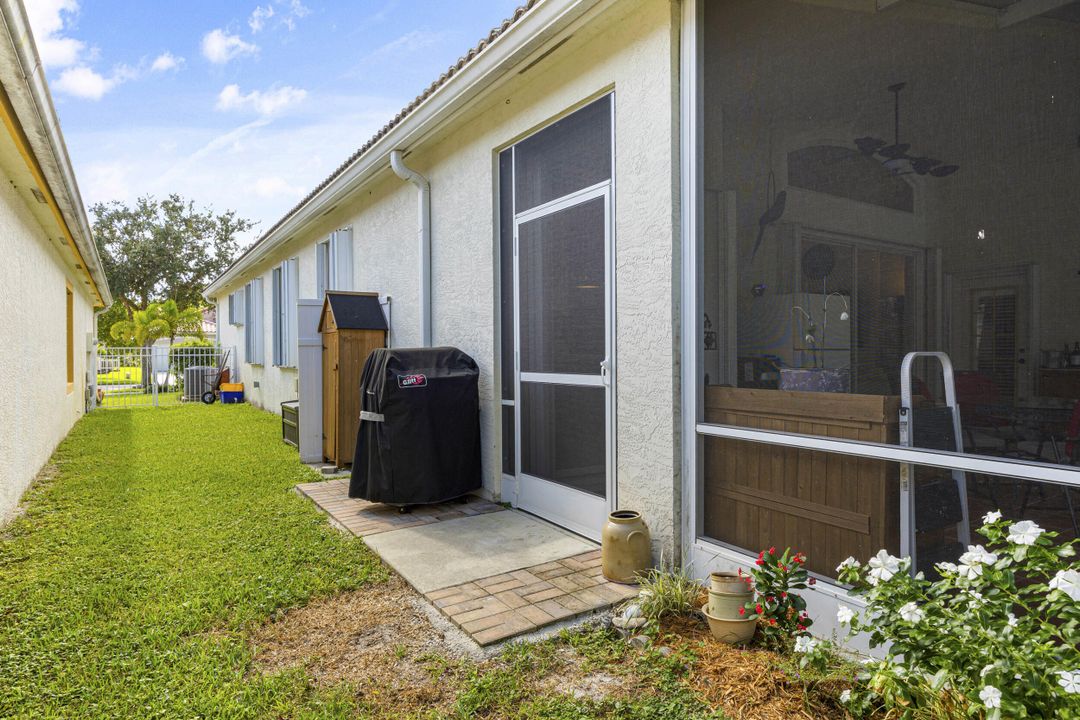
point(453, 70)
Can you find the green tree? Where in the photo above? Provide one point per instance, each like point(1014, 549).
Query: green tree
point(158, 320)
point(161, 250)
point(116, 312)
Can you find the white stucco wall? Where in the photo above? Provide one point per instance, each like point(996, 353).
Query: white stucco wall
point(37, 409)
point(275, 384)
point(632, 49)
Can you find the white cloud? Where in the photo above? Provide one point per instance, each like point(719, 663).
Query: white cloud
point(270, 102)
point(47, 19)
point(259, 16)
point(108, 180)
point(297, 10)
point(219, 47)
point(82, 82)
point(276, 186)
point(122, 73)
point(230, 168)
point(88, 84)
point(166, 61)
point(398, 48)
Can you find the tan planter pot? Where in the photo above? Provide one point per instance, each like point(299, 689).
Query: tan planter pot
point(732, 632)
point(625, 547)
point(728, 593)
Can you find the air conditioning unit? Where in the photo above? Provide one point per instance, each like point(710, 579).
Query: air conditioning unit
point(197, 380)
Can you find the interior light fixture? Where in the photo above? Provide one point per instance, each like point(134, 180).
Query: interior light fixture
point(894, 157)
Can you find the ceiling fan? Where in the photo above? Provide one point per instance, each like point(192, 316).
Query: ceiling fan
point(895, 157)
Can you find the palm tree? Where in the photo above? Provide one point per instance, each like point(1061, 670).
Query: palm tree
point(158, 320)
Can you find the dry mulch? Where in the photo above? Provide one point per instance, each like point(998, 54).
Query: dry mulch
point(378, 640)
point(375, 639)
point(751, 683)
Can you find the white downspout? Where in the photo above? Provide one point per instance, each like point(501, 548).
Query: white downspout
point(94, 359)
point(424, 233)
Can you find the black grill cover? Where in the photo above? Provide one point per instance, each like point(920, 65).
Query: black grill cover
point(426, 446)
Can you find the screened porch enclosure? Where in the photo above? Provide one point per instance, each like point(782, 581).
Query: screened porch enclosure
point(877, 183)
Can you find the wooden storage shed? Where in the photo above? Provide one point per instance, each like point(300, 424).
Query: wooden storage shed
point(352, 325)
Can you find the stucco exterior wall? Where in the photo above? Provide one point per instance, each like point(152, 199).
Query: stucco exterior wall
point(630, 49)
point(37, 409)
point(275, 384)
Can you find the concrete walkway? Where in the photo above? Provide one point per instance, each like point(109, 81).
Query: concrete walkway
point(496, 573)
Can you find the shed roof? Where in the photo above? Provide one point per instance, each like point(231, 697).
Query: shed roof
point(354, 311)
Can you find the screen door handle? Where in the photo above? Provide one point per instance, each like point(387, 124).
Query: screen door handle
point(605, 372)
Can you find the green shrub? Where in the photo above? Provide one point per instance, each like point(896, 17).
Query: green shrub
point(995, 636)
point(667, 592)
point(781, 612)
point(180, 361)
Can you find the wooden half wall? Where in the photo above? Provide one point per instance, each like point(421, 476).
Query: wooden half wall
point(827, 505)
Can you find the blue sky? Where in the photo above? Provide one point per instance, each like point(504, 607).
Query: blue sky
point(241, 105)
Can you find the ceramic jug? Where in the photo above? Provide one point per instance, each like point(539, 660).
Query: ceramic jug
point(625, 546)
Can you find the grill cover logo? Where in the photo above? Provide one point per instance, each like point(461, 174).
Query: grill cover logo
point(411, 381)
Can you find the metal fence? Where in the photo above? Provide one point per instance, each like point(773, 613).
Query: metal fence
point(160, 375)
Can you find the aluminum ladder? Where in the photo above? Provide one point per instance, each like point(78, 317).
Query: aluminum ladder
point(953, 441)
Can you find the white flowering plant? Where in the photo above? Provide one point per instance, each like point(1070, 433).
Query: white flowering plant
point(997, 636)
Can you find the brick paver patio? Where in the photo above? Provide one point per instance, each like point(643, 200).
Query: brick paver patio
point(494, 608)
point(502, 606)
point(361, 517)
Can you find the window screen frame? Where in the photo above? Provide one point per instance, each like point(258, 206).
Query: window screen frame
point(694, 428)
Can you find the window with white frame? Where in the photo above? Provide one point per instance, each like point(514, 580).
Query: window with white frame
point(334, 262)
point(236, 308)
point(285, 281)
point(253, 320)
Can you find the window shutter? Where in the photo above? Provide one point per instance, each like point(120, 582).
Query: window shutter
point(277, 310)
point(256, 326)
point(292, 277)
point(249, 340)
point(236, 305)
point(322, 269)
point(343, 259)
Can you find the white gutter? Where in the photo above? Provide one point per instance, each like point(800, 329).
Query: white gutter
point(56, 164)
point(423, 203)
point(533, 34)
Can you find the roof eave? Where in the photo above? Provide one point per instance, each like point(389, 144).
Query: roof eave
point(23, 77)
point(529, 34)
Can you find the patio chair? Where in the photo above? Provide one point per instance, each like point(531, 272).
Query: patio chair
point(988, 430)
point(1062, 450)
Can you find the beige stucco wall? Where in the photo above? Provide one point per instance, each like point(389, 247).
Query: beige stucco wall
point(631, 49)
point(37, 410)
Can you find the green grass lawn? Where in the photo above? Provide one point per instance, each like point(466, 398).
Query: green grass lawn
point(121, 376)
point(134, 398)
point(127, 587)
point(161, 541)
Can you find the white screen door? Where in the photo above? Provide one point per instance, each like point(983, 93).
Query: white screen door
point(564, 368)
point(564, 377)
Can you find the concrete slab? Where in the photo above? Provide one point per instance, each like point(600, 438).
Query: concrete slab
point(457, 551)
